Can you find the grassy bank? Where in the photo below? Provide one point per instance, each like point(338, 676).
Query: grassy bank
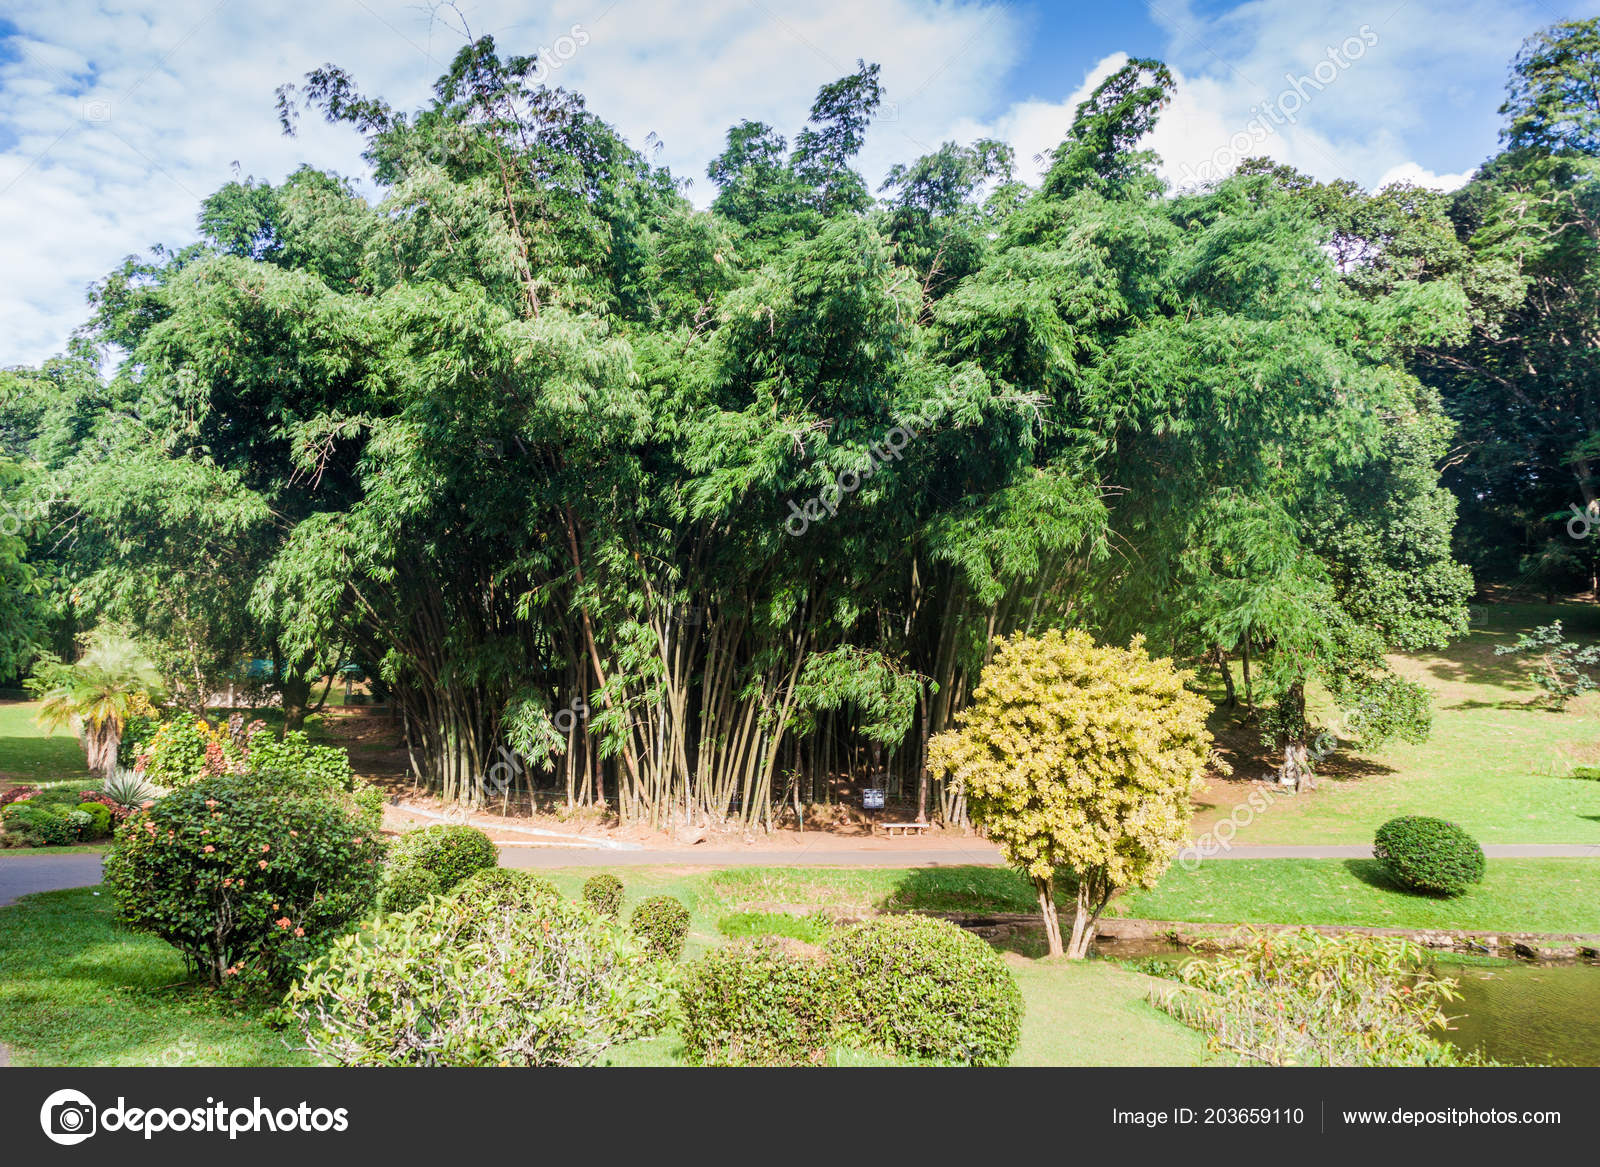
point(1496, 762)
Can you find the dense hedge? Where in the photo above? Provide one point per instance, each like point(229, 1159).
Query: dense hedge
point(925, 988)
point(1429, 855)
point(760, 1003)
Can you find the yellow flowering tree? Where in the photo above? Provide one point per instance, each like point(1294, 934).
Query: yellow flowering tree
point(1081, 757)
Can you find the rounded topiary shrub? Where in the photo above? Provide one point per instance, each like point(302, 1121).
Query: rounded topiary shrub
point(99, 824)
point(451, 851)
point(407, 886)
point(1429, 855)
point(603, 893)
point(237, 877)
point(503, 888)
point(551, 984)
point(925, 988)
point(760, 1003)
point(662, 922)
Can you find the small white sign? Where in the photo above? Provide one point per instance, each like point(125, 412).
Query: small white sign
point(872, 800)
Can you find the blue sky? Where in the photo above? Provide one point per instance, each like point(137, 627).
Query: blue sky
point(117, 119)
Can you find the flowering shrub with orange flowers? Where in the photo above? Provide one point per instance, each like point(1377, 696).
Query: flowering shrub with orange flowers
point(241, 877)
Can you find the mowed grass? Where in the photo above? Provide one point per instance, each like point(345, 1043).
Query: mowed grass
point(77, 990)
point(1497, 761)
point(28, 755)
point(1516, 895)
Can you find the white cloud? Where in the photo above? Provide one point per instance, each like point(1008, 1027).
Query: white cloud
point(116, 123)
point(1410, 172)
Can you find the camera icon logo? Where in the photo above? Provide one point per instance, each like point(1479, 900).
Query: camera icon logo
point(68, 1117)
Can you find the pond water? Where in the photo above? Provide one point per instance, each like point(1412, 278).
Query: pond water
point(1515, 1012)
point(1529, 1013)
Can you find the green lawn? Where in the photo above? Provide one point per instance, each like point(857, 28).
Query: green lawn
point(1496, 761)
point(76, 990)
point(28, 755)
point(1520, 895)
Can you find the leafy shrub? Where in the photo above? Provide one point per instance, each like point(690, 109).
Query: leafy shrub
point(551, 984)
point(1429, 855)
point(925, 988)
point(186, 749)
point(603, 893)
point(293, 761)
point(503, 888)
point(99, 824)
point(406, 886)
point(137, 732)
point(451, 851)
point(662, 923)
point(32, 824)
point(232, 874)
point(760, 1003)
point(1304, 999)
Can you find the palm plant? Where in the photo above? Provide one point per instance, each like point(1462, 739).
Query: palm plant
point(112, 681)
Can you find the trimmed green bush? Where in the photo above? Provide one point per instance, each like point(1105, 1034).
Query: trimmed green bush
point(99, 825)
point(603, 893)
point(451, 851)
point(407, 886)
point(239, 878)
point(924, 988)
point(1429, 855)
point(662, 922)
point(504, 888)
point(435, 987)
point(760, 1003)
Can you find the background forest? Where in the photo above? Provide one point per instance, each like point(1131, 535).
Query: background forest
point(749, 492)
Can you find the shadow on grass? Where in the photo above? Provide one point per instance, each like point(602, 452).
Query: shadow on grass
point(963, 889)
point(1374, 874)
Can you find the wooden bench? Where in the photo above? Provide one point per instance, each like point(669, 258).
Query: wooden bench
point(903, 828)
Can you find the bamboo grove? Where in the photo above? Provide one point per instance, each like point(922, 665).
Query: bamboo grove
point(691, 511)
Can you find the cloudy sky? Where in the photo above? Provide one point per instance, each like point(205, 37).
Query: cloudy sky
point(117, 119)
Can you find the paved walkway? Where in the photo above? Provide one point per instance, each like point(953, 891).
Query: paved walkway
point(22, 875)
point(978, 853)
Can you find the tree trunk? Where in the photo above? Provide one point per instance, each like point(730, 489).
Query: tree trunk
point(100, 748)
point(1092, 898)
point(1047, 909)
point(296, 697)
point(1227, 674)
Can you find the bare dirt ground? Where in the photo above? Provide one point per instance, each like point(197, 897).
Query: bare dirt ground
point(376, 753)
